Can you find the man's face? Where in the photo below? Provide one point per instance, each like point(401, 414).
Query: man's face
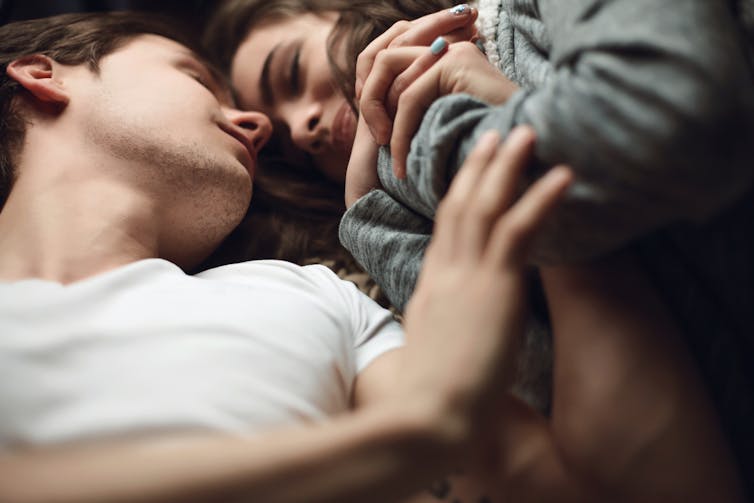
point(158, 110)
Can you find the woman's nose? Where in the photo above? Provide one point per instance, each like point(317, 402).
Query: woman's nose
point(256, 126)
point(307, 128)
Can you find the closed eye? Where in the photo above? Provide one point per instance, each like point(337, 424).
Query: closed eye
point(201, 80)
point(294, 77)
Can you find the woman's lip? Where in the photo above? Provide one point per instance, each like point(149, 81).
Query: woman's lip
point(344, 127)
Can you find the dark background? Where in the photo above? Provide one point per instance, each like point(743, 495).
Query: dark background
point(190, 12)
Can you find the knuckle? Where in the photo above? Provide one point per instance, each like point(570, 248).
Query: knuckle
point(362, 61)
point(381, 57)
point(465, 47)
point(483, 209)
point(399, 85)
point(399, 41)
point(370, 108)
point(403, 25)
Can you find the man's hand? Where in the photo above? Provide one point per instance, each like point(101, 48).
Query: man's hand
point(469, 306)
point(404, 82)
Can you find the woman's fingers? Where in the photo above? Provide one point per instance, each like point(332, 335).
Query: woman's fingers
point(423, 63)
point(396, 66)
point(394, 71)
point(459, 20)
point(462, 69)
point(361, 174)
point(412, 104)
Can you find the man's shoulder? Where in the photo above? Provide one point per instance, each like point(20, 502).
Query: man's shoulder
point(304, 277)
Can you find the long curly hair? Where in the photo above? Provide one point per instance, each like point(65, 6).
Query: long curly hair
point(296, 210)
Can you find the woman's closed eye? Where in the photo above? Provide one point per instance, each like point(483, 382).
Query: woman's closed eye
point(294, 72)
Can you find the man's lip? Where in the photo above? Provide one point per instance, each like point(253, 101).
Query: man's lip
point(344, 127)
point(243, 140)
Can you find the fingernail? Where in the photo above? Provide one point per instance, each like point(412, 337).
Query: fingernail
point(438, 46)
point(460, 10)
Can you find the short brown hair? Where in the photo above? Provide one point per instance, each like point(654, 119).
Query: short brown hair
point(70, 39)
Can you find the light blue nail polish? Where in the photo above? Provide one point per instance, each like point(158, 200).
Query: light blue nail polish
point(438, 46)
point(460, 10)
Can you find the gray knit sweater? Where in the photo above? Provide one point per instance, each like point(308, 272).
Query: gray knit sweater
point(652, 104)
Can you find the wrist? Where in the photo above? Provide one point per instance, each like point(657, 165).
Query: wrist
point(439, 428)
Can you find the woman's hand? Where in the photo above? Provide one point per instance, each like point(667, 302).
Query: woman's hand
point(404, 82)
point(469, 306)
point(361, 175)
point(457, 24)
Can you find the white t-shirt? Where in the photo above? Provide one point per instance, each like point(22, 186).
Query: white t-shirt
point(147, 347)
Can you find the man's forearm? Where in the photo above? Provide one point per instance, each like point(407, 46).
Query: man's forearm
point(366, 456)
point(630, 411)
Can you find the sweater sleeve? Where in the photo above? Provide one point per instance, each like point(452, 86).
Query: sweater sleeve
point(650, 103)
point(388, 239)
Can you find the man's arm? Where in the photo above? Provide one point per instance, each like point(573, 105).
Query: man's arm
point(424, 428)
point(367, 456)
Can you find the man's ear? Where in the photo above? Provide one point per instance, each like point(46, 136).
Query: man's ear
point(38, 74)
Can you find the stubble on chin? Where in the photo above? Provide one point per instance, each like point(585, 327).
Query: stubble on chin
point(203, 195)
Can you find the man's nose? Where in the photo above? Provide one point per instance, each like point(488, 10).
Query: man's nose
point(255, 125)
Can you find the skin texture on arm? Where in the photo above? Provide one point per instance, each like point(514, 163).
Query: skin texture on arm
point(631, 418)
point(364, 449)
point(628, 391)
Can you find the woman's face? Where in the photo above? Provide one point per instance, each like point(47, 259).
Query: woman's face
point(282, 70)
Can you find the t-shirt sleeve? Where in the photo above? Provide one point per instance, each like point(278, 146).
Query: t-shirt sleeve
point(373, 329)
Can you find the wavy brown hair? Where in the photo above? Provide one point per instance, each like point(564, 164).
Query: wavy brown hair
point(296, 210)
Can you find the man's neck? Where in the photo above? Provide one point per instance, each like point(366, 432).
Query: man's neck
point(65, 230)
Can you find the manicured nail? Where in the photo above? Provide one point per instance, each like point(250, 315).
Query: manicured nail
point(438, 46)
point(460, 10)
